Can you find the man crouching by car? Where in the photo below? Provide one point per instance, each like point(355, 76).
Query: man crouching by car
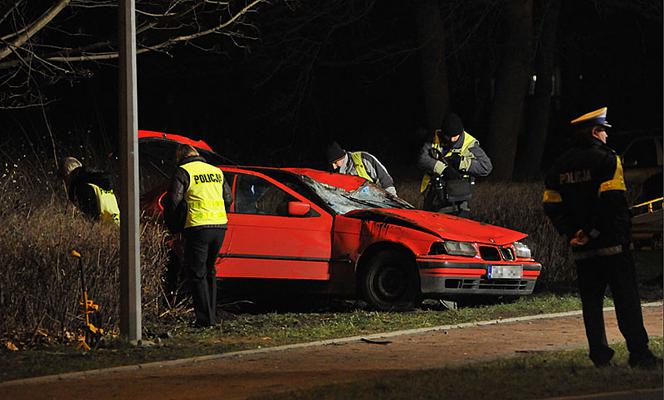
point(196, 205)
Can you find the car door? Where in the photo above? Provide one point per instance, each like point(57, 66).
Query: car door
point(265, 241)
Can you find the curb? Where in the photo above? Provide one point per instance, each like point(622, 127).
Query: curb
point(241, 353)
point(622, 395)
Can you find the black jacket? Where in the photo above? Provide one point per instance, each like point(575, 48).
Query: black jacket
point(82, 194)
point(175, 206)
point(588, 179)
point(478, 162)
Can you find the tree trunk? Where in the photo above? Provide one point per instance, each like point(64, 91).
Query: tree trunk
point(532, 148)
point(431, 38)
point(511, 86)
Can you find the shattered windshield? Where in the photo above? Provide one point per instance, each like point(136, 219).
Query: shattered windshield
point(366, 196)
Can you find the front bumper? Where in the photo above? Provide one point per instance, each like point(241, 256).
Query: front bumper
point(458, 278)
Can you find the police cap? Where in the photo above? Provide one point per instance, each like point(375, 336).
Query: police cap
point(597, 117)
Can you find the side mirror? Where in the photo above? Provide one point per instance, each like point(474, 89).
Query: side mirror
point(298, 208)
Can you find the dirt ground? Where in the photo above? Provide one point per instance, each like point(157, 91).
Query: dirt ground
point(239, 377)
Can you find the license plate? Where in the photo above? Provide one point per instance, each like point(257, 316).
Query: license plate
point(505, 271)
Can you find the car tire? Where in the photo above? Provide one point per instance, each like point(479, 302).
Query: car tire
point(390, 281)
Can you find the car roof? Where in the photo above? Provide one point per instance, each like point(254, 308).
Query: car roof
point(145, 134)
point(342, 181)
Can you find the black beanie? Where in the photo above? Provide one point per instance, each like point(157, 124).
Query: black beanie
point(452, 126)
point(334, 152)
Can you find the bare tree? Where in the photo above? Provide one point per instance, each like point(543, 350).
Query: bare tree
point(531, 148)
point(431, 36)
point(511, 87)
point(40, 45)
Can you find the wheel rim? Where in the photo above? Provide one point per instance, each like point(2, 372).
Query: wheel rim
point(390, 283)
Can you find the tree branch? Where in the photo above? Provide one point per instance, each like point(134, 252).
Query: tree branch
point(34, 28)
point(157, 47)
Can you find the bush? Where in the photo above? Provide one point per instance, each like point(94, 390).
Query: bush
point(40, 287)
point(516, 206)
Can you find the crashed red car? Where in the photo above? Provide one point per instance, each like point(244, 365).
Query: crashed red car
point(347, 234)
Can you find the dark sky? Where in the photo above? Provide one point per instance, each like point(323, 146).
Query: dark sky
point(606, 57)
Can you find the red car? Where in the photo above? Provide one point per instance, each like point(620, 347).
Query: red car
point(349, 235)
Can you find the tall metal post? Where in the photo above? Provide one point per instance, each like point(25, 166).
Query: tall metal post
point(130, 268)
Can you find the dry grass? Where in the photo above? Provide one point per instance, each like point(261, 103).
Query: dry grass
point(40, 286)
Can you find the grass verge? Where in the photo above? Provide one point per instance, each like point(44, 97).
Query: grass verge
point(245, 331)
point(530, 376)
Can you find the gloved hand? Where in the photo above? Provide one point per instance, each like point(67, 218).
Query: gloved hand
point(436, 154)
point(454, 160)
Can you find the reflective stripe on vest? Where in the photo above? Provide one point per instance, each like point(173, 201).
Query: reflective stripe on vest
point(615, 183)
point(205, 195)
point(107, 204)
point(356, 156)
point(551, 196)
point(468, 141)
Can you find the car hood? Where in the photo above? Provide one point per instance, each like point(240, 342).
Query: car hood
point(445, 226)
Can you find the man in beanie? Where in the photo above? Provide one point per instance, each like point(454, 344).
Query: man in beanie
point(584, 198)
point(359, 163)
point(90, 190)
point(451, 161)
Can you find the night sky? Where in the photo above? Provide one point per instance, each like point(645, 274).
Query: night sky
point(363, 87)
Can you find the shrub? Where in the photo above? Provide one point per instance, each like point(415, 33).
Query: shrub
point(40, 286)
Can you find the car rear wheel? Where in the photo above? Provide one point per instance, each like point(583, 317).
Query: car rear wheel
point(390, 281)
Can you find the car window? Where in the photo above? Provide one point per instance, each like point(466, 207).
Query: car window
point(640, 154)
point(255, 195)
point(157, 162)
point(156, 165)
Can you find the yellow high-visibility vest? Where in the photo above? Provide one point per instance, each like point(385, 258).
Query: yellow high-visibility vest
point(468, 140)
point(107, 204)
point(205, 195)
point(356, 156)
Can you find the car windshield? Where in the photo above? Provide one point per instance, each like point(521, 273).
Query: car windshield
point(366, 196)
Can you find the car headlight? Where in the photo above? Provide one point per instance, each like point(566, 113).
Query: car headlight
point(522, 251)
point(453, 248)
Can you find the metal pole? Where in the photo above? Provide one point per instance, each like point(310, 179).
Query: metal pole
point(130, 268)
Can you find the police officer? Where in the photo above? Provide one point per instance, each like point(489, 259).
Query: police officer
point(451, 161)
point(196, 202)
point(584, 198)
point(90, 190)
point(359, 163)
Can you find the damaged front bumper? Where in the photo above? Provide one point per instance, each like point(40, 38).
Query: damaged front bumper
point(460, 278)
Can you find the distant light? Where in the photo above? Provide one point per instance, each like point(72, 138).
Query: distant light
point(534, 78)
point(581, 77)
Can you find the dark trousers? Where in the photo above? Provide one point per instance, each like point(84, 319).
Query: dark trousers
point(616, 272)
point(201, 251)
point(433, 202)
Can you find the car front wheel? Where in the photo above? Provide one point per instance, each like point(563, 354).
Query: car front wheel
point(391, 282)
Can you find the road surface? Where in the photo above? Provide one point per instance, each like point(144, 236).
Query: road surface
point(267, 372)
